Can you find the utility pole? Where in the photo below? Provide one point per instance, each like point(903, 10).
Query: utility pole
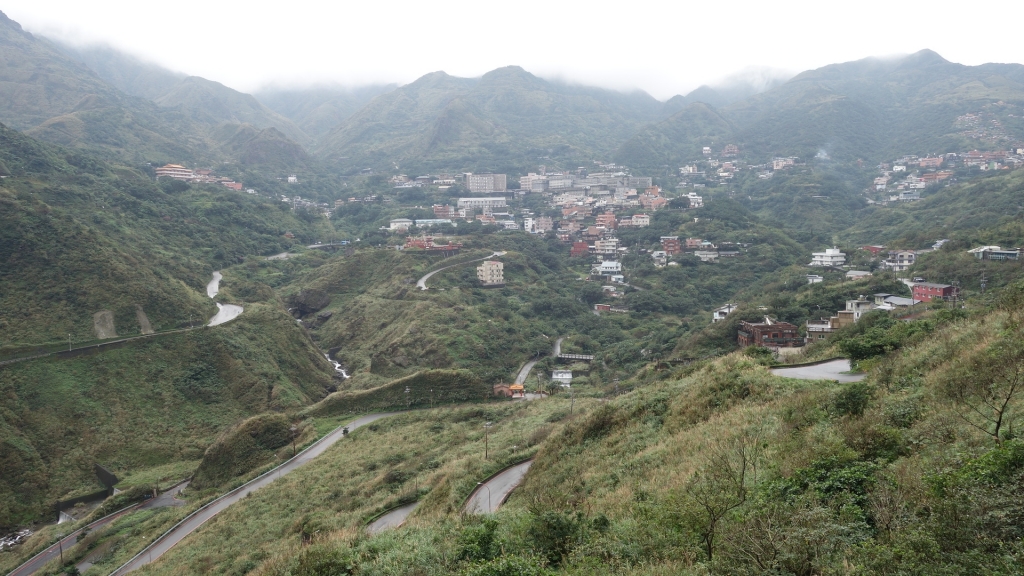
point(408, 399)
point(572, 401)
point(431, 398)
point(293, 429)
point(487, 427)
point(984, 282)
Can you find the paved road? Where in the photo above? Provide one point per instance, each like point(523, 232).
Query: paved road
point(39, 560)
point(392, 519)
point(525, 372)
point(488, 497)
point(214, 286)
point(198, 518)
point(422, 282)
point(225, 313)
point(828, 371)
point(521, 377)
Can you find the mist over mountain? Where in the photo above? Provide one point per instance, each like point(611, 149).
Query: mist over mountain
point(507, 115)
point(734, 88)
point(869, 109)
point(319, 109)
point(124, 71)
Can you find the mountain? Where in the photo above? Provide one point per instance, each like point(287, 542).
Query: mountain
point(267, 148)
point(56, 98)
point(318, 110)
point(508, 115)
point(742, 85)
point(124, 71)
point(212, 103)
point(872, 109)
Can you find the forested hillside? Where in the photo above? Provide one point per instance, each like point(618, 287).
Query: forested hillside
point(869, 109)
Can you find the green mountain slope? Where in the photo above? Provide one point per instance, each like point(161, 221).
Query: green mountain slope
point(508, 115)
point(212, 103)
point(82, 235)
point(58, 99)
point(318, 110)
point(123, 71)
point(871, 109)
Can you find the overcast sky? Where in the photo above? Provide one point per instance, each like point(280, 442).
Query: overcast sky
point(664, 47)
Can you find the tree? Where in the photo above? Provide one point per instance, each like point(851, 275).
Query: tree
point(987, 385)
point(720, 486)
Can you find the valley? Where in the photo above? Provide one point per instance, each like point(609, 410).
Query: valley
point(509, 324)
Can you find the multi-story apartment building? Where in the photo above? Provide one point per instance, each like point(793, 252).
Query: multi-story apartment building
point(498, 202)
point(491, 273)
point(830, 257)
point(483, 183)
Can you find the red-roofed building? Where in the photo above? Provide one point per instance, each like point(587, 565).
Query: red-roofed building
point(579, 249)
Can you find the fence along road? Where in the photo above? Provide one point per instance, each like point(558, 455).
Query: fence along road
point(176, 534)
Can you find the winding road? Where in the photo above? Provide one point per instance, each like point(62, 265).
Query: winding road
point(832, 370)
point(490, 495)
point(524, 373)
point(176, 534)
point(225, 312)
point(35, 563)
point(422, 282)
point(391, 519)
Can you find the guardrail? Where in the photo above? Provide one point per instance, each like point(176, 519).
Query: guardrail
point(222, 497)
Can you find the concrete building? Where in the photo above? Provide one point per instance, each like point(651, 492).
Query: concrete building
point(927, 291)
point(770, 334)
point(719, 314)
point(176, 171)
point(400, 224)
point(830, 257)
point(671, 245)
point(900, 260)
point(474, 203)
point(607, 268)
point(641, 220)
point(563, 377)
point(483, 183)
point(995, 253)
point(491, 273)
point(695, 200)
point(660, 257)
point(607, 247)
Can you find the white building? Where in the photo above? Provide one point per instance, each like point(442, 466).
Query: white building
point(660, 257)
point(607, 268)
point(491, 273)
point(400, 224)
point(641, 220)
point(830, 257)
point(563, 377)
point(498, 202)
point(482, 183)
point(814, 278)
point(695, 201)
point(719, 314)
